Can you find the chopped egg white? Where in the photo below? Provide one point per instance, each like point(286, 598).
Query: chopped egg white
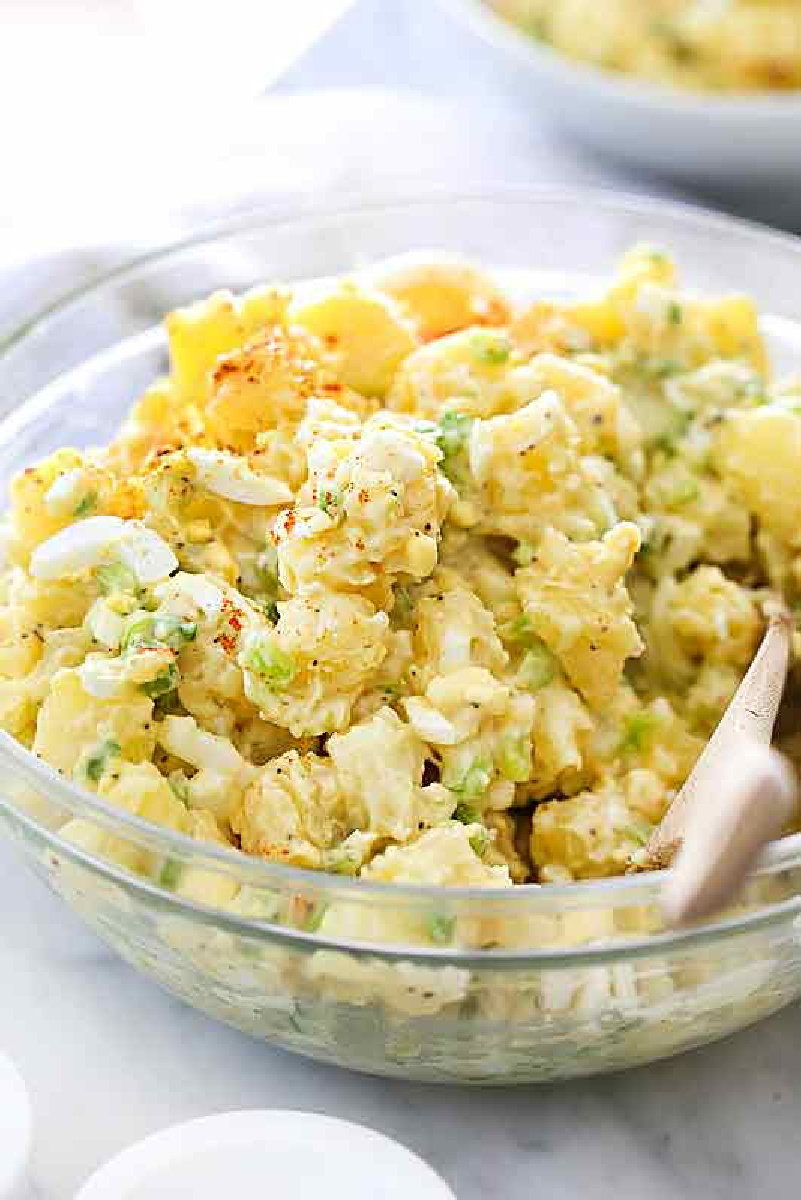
point(182, 737)
point(103, 678)
point(106, 678)
point(430, 724)
point(105, 625)
point(146, 554)
point(230, 477)
point(77, 548)
point(87, 544)
point(203, 597)
point(67, 492)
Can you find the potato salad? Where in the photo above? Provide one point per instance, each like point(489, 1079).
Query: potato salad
point(399, 576)
point(713, 45)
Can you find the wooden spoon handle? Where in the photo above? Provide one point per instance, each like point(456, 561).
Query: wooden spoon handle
point(754, 800)
point(751, 714)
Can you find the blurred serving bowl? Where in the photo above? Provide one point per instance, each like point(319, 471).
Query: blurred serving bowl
point(698, 136)
point(580, 978)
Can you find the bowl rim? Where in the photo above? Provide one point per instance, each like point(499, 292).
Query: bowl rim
point(783, 854)
point(490, 26)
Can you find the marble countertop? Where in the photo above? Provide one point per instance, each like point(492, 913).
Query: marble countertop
point(107, 1056)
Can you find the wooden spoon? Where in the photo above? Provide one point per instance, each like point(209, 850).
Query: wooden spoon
point(746, 725)
point(756, 798)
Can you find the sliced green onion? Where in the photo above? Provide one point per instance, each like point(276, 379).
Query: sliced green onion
point(466, 813)
point(97, 762)
point(166, 681)
point(169, 705)
point(454, 431)
point(174, 632)
point(657, 256)
point(479, 842)
point(330, 502)
point(114, 577)
point(268, 605)
point(86, 505)
point(170, 874)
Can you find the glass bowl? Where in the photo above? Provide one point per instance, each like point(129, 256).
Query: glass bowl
point(529, 983)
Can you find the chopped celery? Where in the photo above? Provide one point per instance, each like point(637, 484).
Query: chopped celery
point(314, 918)
point(638, 732)
point(440, 928)
point(675, 314)
point(491, 348)
point(403, 606)
point(685, 493)
point(341, 862)
point(638, 830)
point(271, 663)
point(524, 553)
point(149, 632)
point(474, 782)
point(664, 368)
point(520, 631)
point(538, 667)
point(139, 635)
point(514, 760)
point(668, 440)
point(179, 786)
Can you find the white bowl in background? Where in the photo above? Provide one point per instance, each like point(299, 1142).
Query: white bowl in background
point(699, 136)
